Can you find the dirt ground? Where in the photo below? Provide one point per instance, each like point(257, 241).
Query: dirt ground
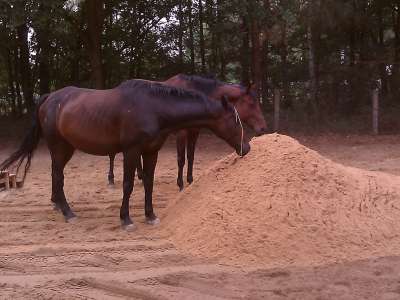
point(42, 257)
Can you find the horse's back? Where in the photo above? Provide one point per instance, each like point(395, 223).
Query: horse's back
point(88, 119)
point(177, 81)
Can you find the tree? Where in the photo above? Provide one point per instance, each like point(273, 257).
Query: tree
point(23, 53)
point(95, 19)
point(43, 36)
point(202, 42)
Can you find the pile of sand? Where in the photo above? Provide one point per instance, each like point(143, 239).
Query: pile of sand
point(285, 204)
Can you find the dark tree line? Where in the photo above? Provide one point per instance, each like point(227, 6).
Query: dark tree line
point(324, 55)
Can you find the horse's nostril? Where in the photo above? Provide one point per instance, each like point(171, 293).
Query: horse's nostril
point(246, 150)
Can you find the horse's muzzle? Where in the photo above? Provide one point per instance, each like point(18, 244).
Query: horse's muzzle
point(261, 131)
point(245, 150)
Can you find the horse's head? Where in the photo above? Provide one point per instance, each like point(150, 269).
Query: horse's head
point(246, 103)
point(228, 126)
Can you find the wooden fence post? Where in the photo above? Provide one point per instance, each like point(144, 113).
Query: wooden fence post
point(4, 178)
point(13, 181)
point(375, 111)
point(277, 100)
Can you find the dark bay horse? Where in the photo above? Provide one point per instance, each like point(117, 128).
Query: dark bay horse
point(244, 99)
point(134, 119)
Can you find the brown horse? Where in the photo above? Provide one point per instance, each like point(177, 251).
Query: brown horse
point(134, 119)
point(244, 100)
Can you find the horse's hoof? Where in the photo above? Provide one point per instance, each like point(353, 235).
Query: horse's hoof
point(180, 185)
point(190, 180)
point(71, 220)
point(128, 227)
point(55, 207)
point(155, 221)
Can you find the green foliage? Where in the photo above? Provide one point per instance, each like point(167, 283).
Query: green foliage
point(354, 44)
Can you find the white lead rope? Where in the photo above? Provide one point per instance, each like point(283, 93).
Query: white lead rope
point(241, 126)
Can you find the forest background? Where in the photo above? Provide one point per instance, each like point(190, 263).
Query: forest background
point(325, 57)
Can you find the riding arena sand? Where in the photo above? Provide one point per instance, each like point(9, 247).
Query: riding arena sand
point(284, 204)
point(280, 223)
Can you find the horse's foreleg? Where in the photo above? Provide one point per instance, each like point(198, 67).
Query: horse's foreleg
point(191, 146)
point(149, 166)
point(111, 170)
point(130, 161)
point(180, 149)
point(60, 155)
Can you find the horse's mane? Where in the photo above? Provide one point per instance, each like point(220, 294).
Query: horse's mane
point(205, 84)
point(159, 89)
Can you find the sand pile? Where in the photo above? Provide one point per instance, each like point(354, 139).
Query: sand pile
point(285, 204)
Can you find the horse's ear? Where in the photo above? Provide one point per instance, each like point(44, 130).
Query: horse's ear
point(225, 101)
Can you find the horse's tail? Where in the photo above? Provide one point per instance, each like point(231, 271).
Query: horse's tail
point(28, 145)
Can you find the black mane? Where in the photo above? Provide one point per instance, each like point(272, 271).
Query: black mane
point(205, 84)
point(159, 89)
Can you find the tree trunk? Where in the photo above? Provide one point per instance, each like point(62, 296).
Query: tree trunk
point(202, 43)
point(132, 64)
point(264, 80)
point(245, 52)
point(284, 68)
point(220, 42)
point(24, 66)
point(265, 61)
point(17, 82)
point(44, 52)
point(75, 68)
point(382, 65)
point(77, 49)
point(180, 39)
point(191, 39)
point(312, 70)
point(352, 61)
point(396, 66)
point(213, 58)
point(256, 62)
point(256, 53)
point(95, 19)
point(11, 80)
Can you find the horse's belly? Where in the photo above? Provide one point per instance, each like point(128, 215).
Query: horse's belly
point(93, 145)
point(95, 148)
point(92, 139)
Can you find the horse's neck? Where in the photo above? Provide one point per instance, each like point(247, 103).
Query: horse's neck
point(188, 114)
point(231, 91)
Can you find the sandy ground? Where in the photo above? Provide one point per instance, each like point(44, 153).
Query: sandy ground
point(41, 257)
point(286, 205)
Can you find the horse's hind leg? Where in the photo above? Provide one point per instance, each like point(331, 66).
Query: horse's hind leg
point(111, 169)
point(130, 162)
point(149, 166)
point(191, 146)
point(61, 153)
point(180, 151)
point(139, 169)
